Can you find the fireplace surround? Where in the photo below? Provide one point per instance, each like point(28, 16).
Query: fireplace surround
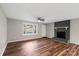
point(62, 30)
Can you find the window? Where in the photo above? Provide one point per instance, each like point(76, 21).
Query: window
point(29, 29)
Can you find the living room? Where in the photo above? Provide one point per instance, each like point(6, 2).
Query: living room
point(39, 29)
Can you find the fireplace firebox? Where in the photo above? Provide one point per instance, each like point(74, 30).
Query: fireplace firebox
point(61, 35)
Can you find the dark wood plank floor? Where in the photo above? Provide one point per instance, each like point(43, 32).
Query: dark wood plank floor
point(41, 47)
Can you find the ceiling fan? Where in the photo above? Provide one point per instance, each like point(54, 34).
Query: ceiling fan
point(40, 19)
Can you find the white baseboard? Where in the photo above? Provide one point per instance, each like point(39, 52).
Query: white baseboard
point(75, 42)
point(23, 39)
point(2, 50)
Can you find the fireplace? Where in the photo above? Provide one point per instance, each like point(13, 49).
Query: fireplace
point(61, 35)
point(62, 30)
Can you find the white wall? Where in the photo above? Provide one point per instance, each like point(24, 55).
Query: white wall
point(50, 30)
point(74, 31)
point(15, 31)
point(3, 32)
point(43, 29)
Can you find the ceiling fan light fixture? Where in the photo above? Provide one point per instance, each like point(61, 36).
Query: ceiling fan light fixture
point(40, 19)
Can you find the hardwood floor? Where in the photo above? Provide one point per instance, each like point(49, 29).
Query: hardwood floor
point(41, 47)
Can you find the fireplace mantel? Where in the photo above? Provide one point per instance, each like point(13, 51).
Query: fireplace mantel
point(61, 27)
